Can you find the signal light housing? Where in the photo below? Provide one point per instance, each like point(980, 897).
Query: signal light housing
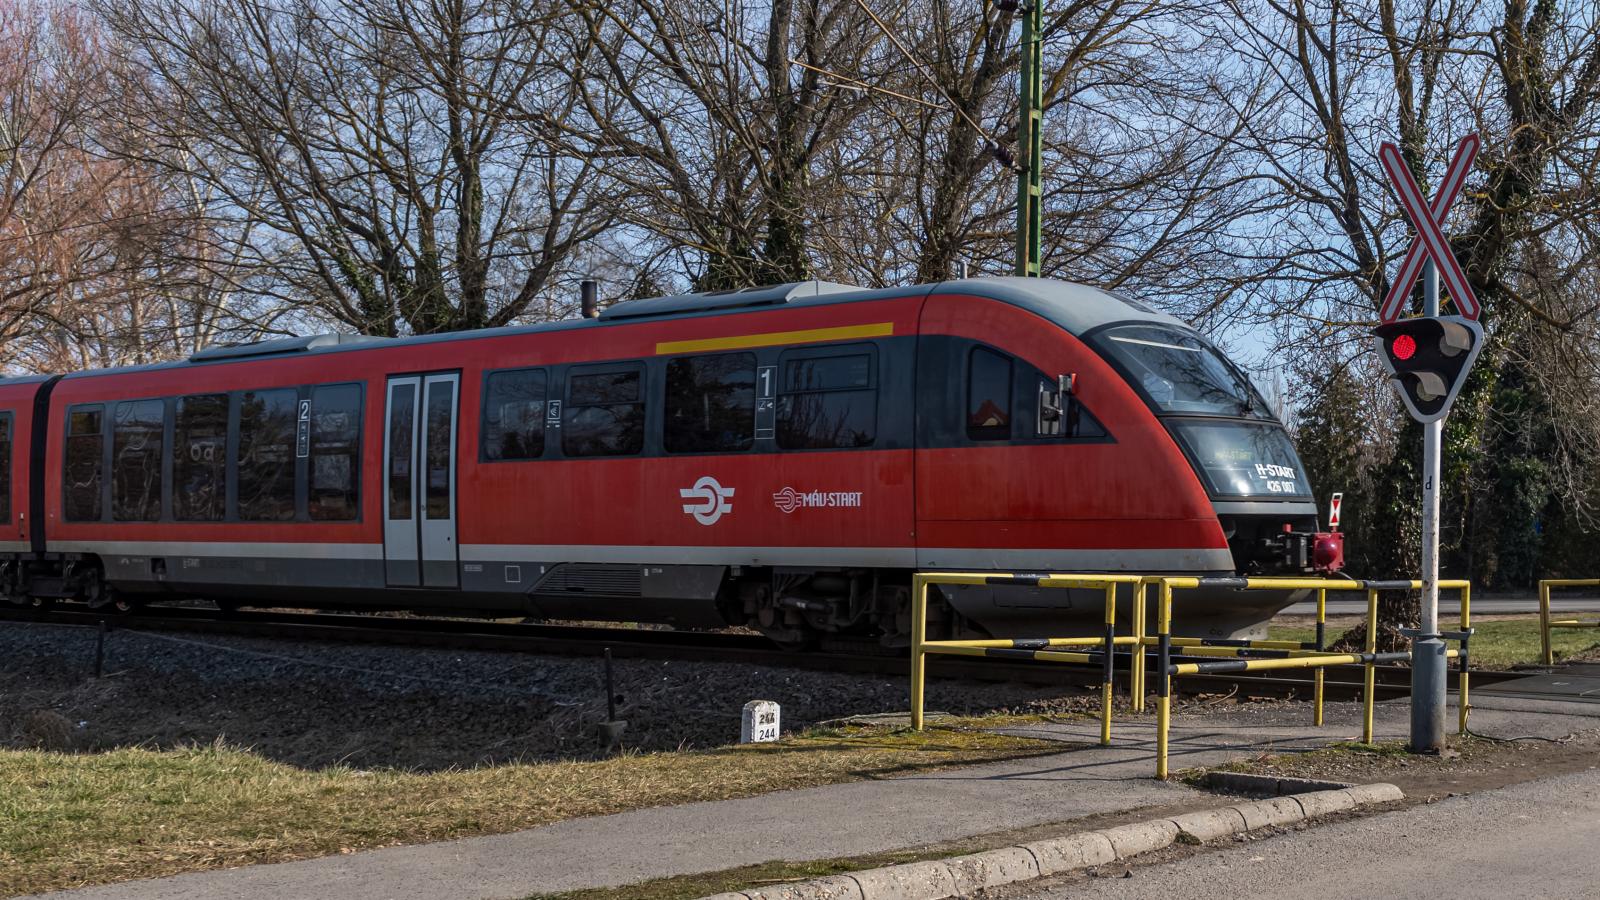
point(1428, 359)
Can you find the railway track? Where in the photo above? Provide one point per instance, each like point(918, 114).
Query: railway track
point(1341, 682)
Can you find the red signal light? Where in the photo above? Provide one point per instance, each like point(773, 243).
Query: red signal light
point(1404, 347)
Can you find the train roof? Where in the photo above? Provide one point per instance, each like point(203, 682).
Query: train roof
point(1076, 308)
point(9, 380)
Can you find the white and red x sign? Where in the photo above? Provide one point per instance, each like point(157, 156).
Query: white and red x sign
point(1430, 242)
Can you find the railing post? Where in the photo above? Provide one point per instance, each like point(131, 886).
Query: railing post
point(1137, 675)
point(1164, 678)
point(1462, 706)
point(1544, 624)
point(919, 627)
point(1317, 679)
point(1370, 680)
point(1106, 670)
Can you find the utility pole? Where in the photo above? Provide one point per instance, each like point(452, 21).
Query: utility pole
point(1030, 115)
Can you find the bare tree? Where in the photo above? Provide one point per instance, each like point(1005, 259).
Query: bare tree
point(1341, 78)
point(772, 141)
point(368, 144)
point(712, 136)
point(88, 240)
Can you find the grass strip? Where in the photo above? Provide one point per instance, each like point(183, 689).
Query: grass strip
point(1496, 643)
point(68, 820)
point(1349, 761)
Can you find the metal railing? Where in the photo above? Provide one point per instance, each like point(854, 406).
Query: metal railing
point(1230, 655)
point(1040, 649)
point(1250, 656)
point(1547, 652)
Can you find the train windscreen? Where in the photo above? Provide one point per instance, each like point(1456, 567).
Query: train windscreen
point(1182, 374)
point(1243, 459)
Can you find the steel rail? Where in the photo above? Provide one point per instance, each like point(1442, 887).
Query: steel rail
point(577, 640)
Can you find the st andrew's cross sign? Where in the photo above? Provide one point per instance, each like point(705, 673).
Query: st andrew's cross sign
point(1430, 242)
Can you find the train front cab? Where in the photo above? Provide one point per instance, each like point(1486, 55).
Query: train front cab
point(1158, 458)
point(1242, 456)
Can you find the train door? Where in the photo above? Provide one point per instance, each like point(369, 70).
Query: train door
point(419, 500)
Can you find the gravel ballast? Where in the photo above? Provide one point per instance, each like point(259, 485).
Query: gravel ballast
point(317, 704)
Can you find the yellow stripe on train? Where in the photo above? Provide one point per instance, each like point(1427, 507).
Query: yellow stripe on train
point(775, 338)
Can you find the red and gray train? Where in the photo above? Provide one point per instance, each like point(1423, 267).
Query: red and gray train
point(779, 457)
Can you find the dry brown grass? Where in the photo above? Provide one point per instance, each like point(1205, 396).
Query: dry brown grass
point(77, 819)
point(45, 729)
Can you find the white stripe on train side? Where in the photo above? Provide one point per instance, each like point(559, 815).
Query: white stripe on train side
point(947, 558)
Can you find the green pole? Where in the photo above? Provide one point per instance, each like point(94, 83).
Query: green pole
point(1031, 112)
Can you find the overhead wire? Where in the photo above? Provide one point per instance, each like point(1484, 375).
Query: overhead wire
point(928, 74)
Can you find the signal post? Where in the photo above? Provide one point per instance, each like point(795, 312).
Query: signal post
point(1428, 359)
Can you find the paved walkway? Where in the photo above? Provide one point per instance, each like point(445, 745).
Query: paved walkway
point(836, 820)
point(1530, 840)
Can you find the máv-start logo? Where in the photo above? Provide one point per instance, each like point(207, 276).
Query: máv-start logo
point(712, 500)
point(788, 500)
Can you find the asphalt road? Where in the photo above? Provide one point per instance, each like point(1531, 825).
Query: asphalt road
point(1534, 840)
point(1448, 603)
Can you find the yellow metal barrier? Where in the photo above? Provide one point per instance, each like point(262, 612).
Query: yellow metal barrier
point(1136, 673)
point(1322, 643)
point(1463, 708)
point(1283, 654)
point(1021, 648)
point(1235, 655)
point(1545, 623)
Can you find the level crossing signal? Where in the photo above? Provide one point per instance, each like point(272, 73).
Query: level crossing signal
point(1428, 359)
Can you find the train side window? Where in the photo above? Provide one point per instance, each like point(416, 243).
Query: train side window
point(402, 438)
point(5, 467)
point(85, 462)
point(438, 453)
point(335, 491)
point(827, 400)
point(988, 395)
point(136, 436)
point(605, 411)
point(513, 415)
point(266, 460)
point(711, 403)
point(200, 458)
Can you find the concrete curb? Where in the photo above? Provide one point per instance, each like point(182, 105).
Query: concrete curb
point(965, 875)
point(1267, 785)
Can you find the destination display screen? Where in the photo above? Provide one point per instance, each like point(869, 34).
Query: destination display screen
point(1240, 459)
